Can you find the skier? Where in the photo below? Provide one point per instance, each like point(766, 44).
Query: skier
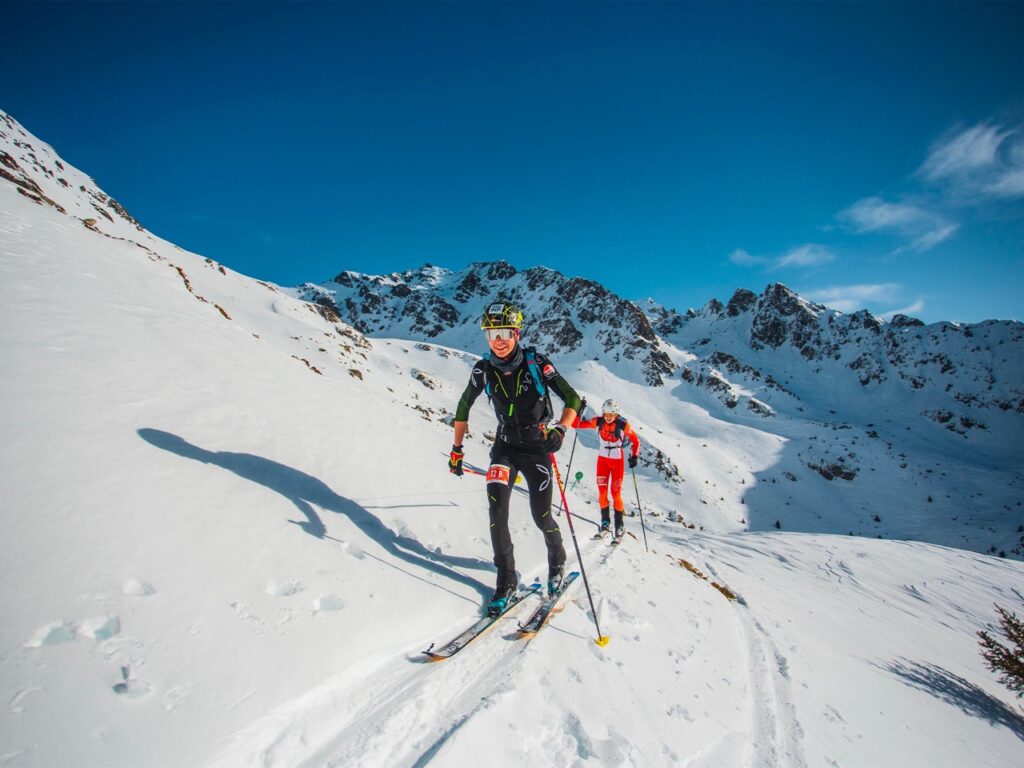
point(613, 432)
point(517, 380)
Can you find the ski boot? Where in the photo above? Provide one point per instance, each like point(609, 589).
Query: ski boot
point(555, 578)
point(500, 600)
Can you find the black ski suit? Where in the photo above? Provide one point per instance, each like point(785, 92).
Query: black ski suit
point(519, 449)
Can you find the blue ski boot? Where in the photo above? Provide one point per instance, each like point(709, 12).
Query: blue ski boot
point(500, 599)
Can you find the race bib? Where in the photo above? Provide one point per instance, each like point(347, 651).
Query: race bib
point(499, 473)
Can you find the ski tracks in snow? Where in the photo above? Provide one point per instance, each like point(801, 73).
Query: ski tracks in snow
point(388, 712)
point(396, 713)
point(391, 712)
point(776, 735)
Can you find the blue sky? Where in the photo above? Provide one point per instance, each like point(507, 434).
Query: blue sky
point(867, 155)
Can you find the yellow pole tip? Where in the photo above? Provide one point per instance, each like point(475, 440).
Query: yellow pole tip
point(602, 641)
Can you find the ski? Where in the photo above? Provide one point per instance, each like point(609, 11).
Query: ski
point(533, 624)
point(478, 628)
point(601, 535)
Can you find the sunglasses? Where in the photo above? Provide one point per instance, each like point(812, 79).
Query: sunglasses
point(501, 334)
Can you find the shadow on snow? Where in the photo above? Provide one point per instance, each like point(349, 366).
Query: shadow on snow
point(304, 491)
point(962, 694)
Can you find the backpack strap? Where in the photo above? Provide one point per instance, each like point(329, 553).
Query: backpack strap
point(531, 360)
point(538, 381)
point(530, 354)
point(487, 378)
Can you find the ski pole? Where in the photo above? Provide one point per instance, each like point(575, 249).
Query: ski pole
point(642, 526)
point(575, 436)
point(601, 639)
point(571, 454)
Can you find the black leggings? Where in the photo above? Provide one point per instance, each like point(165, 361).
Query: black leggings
point(507, 463)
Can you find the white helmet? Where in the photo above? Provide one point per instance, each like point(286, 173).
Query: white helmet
point(610, 406)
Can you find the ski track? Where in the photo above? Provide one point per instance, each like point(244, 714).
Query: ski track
point(433, 699)
point(776, 734)
point(412, 708)
point(776, 730)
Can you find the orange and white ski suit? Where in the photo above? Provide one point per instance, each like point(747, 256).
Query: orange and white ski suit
point(611, 456)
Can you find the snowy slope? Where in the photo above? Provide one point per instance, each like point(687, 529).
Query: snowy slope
point(229, 533)
point(839, 423)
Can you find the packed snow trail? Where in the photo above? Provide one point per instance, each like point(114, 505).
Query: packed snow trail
point(402, 712)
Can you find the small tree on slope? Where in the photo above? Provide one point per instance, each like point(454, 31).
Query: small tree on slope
point(1007, 662)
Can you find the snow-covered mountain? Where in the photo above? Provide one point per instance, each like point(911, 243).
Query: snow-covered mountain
point(851, 395)
point(229, 531)
point(572, 318)
point(967, 374)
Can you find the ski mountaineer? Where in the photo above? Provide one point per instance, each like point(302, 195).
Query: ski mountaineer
point(613, 431)
point(517, 381)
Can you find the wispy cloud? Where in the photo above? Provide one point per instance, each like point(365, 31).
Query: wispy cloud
point(807, 255)
point(874, 297)
point(742, 258)
point(923, 228)
point(978, 163)
point(964, 151)
point(930, 239)
point(850, 298)
point(967, 167)
point(913, 309)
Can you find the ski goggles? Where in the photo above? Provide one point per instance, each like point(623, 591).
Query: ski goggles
point(501, 334)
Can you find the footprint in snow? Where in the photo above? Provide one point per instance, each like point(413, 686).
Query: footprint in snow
point(283, 588)
point(328, 602)
point(138, 588)
point(54, 633)
point(101, 627)
point(131, 688)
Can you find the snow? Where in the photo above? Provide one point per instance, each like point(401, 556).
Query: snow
point(225, 548)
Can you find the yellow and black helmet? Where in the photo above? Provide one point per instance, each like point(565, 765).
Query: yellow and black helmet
point(501, 315)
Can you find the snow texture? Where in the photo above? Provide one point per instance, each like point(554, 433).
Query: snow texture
point(229, 530)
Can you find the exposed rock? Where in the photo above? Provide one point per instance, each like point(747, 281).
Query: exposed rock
point(741, 301)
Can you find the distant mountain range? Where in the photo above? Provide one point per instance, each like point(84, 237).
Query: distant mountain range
point(762, 353)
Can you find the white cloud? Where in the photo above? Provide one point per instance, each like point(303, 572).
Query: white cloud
point(870, 296)
point(873, 214)
point(929, 240)
point(745, 259)
point(914, 309)
point(1008, 184)
point(965, 152)
point(978, 163)
point(808, 255)
point(967, 167)
point(851, 298)
point(924, 229)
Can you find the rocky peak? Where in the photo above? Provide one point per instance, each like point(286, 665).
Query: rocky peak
point(783, 315)
point(561, 314)
point(904, 321)
point(741, 301)
point(665, 321)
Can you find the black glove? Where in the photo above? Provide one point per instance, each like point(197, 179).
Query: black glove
point(632, 462)
point(455, 460)
point(553, 438)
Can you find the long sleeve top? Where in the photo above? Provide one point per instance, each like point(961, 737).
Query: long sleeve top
point(612, 437)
